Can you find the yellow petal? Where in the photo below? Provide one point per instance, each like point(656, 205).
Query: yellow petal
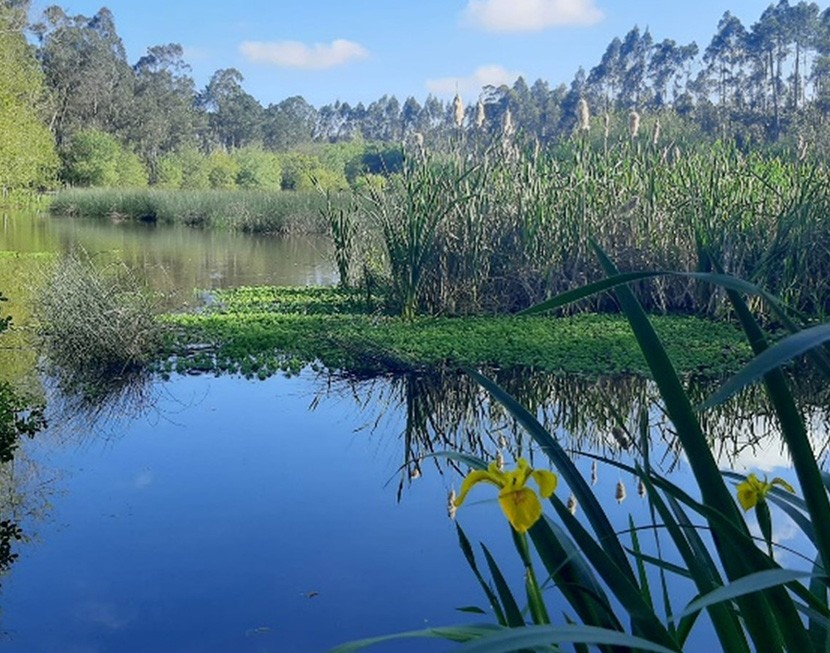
point(547, 482)
point(780, 481)
point(476, 476)
point(747, 495)
point(521, 507)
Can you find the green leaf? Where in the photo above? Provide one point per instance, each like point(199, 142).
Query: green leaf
point(452, 633)
point(511, 608)
point(474, 609)
point(530, 636)
point(752, 583)
point(780, 353)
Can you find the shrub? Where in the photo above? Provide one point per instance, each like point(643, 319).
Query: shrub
point(92, 159)
point(258, 169)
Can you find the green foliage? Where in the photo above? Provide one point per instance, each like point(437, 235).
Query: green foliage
point(27, 150)
point(131, 172)
point(254, 330)
point(169, 172)
point(194, 169)
point(258, 169)
point(92, 159)
point(224, 169)
point(304, 172)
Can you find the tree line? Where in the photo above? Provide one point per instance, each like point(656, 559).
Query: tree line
point(68, 93)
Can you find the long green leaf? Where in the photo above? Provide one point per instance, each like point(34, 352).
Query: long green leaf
point(756, 582)
point(511, 609)
point(467, 550)
point(530, 636)
point(760, 619)
point(780, 353)
point(452, 633)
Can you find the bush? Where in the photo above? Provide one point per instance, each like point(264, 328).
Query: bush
point(96, 322)
point(169, 172)
point(92, 159)
point(131, 172)
point(223, 170)
point(258, 169)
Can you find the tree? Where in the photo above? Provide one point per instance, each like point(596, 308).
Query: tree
point(235, 118)
point(164, 118)
point(27, 151)
point(289, 124)
point(86, 71)
point(92, 158)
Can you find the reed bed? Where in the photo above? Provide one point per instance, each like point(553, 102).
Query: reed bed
point(250, 211)
point(498, 227)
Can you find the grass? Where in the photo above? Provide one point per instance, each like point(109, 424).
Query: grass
point(260, 331)
point(250, 211)
point(497, 227)
point(96, 323)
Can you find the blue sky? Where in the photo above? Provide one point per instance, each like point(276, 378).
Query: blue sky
point(359, 50)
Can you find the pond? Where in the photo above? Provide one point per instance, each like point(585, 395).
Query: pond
point(293, 514)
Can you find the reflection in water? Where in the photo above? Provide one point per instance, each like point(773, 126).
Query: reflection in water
point(608, 416)
point(177, 259)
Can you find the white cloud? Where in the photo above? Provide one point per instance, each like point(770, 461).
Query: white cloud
point(471, 84)
point(530, 15)
point(293, 54)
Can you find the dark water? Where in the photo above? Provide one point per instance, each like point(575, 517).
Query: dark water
point(293, 514)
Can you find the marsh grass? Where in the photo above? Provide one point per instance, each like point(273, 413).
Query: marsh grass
point(249, 211)
point(97, 323)
point(484, 228)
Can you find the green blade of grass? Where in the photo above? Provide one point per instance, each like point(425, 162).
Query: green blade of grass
point(756, 582)
point(545, 636)
point(511, 609)
point(467, 550)
point(770, 359)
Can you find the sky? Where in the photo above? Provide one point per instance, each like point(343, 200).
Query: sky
point(358, 50)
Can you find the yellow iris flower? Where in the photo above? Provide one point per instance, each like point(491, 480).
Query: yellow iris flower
point(520, 504)
point(753, 490)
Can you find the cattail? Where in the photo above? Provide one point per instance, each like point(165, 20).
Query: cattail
point(414, 472)
point(502, 441)
point(583, 115)
point(607, 121)
point(594, 475)
point(655, 137)
point(633, 124)
point(500, 460)
point(418, 143)
point(507, 128)
point(620, 437)
point(572, 504)
point(480, 115)
point(619, 495)
point(458, 111)
point(451, 507)
point(802, 148)
point(641, 488)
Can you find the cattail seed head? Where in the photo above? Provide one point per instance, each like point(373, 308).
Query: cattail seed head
point(451, 507)
point(633, 124)
point(655, 137)
point(607, 121)
point(458, 111)
point(500, 460)
point(583, 115)
point(480, 115)
point(572, 504)
point(641, 488)
point(507, 128)
point(594, 474)
point(619, 494)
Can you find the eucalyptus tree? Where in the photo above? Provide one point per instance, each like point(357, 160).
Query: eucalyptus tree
point(86, 70)
point(669, 63)
point(288, 124)
point(235, 118)
point(164, 117)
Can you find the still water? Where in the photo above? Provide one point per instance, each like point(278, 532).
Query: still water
point(293, 514)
